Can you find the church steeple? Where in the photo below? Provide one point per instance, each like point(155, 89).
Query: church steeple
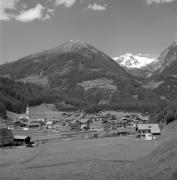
point(27, 111)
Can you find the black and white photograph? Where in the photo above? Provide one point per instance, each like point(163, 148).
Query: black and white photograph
point(88, 89)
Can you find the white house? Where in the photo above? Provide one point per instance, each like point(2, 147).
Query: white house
point(148, 130)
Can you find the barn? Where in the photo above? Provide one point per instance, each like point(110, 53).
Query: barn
point(20, 140)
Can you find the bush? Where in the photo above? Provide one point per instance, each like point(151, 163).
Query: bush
point(95, 135)
point(170, 118)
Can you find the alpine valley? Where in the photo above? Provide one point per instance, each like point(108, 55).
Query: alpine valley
point(76, 75)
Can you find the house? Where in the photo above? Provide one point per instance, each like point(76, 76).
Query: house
point(85, 127)
point(107, 125)
point(144, 118)
point(153, 129)
point(117, 125)
point(50, 124)
point(40, 121)
point(125, 118)
point(6, 137)
point(21, 140)
point(76, 126)
point(23, 120)
point(124, 123)
point(34, 125)
point(85, 120)
point(148, 137)
point(122, 132)
point(126, 131)
point(121, 123)
point(96, 125)
point(19, 124)
point(131, 123)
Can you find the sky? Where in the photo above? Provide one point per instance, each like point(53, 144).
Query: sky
point(113, 26)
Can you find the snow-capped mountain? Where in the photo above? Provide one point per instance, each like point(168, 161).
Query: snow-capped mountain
point(130, 60)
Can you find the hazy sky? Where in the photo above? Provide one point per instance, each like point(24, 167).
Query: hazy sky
point(113, 26)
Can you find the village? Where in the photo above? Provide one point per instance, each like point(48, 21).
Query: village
point(31, 128)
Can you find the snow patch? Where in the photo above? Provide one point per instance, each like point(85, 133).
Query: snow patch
point(130, 60)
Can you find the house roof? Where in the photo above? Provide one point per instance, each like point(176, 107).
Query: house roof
point(96, 124)
point(20, 137)
point(49, 123)
point(153, 127)
point(34, 124)
point(128, 130)
point(84, 120)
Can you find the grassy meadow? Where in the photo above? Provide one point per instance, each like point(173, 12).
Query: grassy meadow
point(80, 159)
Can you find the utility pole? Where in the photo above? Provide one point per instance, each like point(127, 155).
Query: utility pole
point(1, 121)
point(175, 48)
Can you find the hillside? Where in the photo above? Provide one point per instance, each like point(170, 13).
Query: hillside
point(167, 62)
point(14, 96)
point(70, 57)
point(82, 76)
point(164, 80)
point(65, 66)
point(161, 164)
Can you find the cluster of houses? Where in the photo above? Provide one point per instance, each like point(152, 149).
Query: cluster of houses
point(29, 121)
point(131, 124)
point(108, 122)
point(126, 125)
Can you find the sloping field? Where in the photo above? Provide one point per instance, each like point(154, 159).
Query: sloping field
point(161, 164)
point(103, 83)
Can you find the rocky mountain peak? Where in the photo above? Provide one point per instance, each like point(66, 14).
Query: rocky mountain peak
point(131, 60)
point(72, 45)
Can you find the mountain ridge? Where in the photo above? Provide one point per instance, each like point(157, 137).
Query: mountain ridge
point(148, 66)
point(83, 76)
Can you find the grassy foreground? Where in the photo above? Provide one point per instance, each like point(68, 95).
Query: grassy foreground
point(81, 159)
point(121, 158)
